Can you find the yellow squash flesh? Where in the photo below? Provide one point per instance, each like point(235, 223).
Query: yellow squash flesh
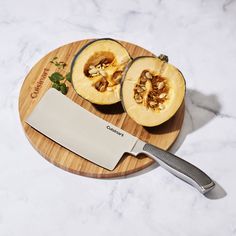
point(91, 54)
point(140, 113)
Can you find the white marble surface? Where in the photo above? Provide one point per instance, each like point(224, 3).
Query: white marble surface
point(37, 198)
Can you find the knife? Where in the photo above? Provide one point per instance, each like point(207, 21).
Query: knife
point(102, 143)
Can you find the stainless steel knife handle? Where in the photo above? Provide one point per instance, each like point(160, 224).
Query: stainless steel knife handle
point(180, 168)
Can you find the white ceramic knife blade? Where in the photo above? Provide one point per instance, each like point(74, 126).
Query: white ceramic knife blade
point(82, 132)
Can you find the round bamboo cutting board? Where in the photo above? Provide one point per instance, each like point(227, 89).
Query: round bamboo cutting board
point(37, 83)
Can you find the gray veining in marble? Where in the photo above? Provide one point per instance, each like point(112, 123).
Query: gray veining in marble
point(199, 37)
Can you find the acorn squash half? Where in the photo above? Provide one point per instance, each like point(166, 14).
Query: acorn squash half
point(97, 70)
point(152, 90)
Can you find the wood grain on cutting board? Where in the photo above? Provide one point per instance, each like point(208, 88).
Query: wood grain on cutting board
point(37, 83)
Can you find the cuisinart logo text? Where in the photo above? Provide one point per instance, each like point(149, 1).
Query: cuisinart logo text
point(115, 131)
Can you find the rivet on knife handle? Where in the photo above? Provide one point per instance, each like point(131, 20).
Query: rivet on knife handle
point(177, 166)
